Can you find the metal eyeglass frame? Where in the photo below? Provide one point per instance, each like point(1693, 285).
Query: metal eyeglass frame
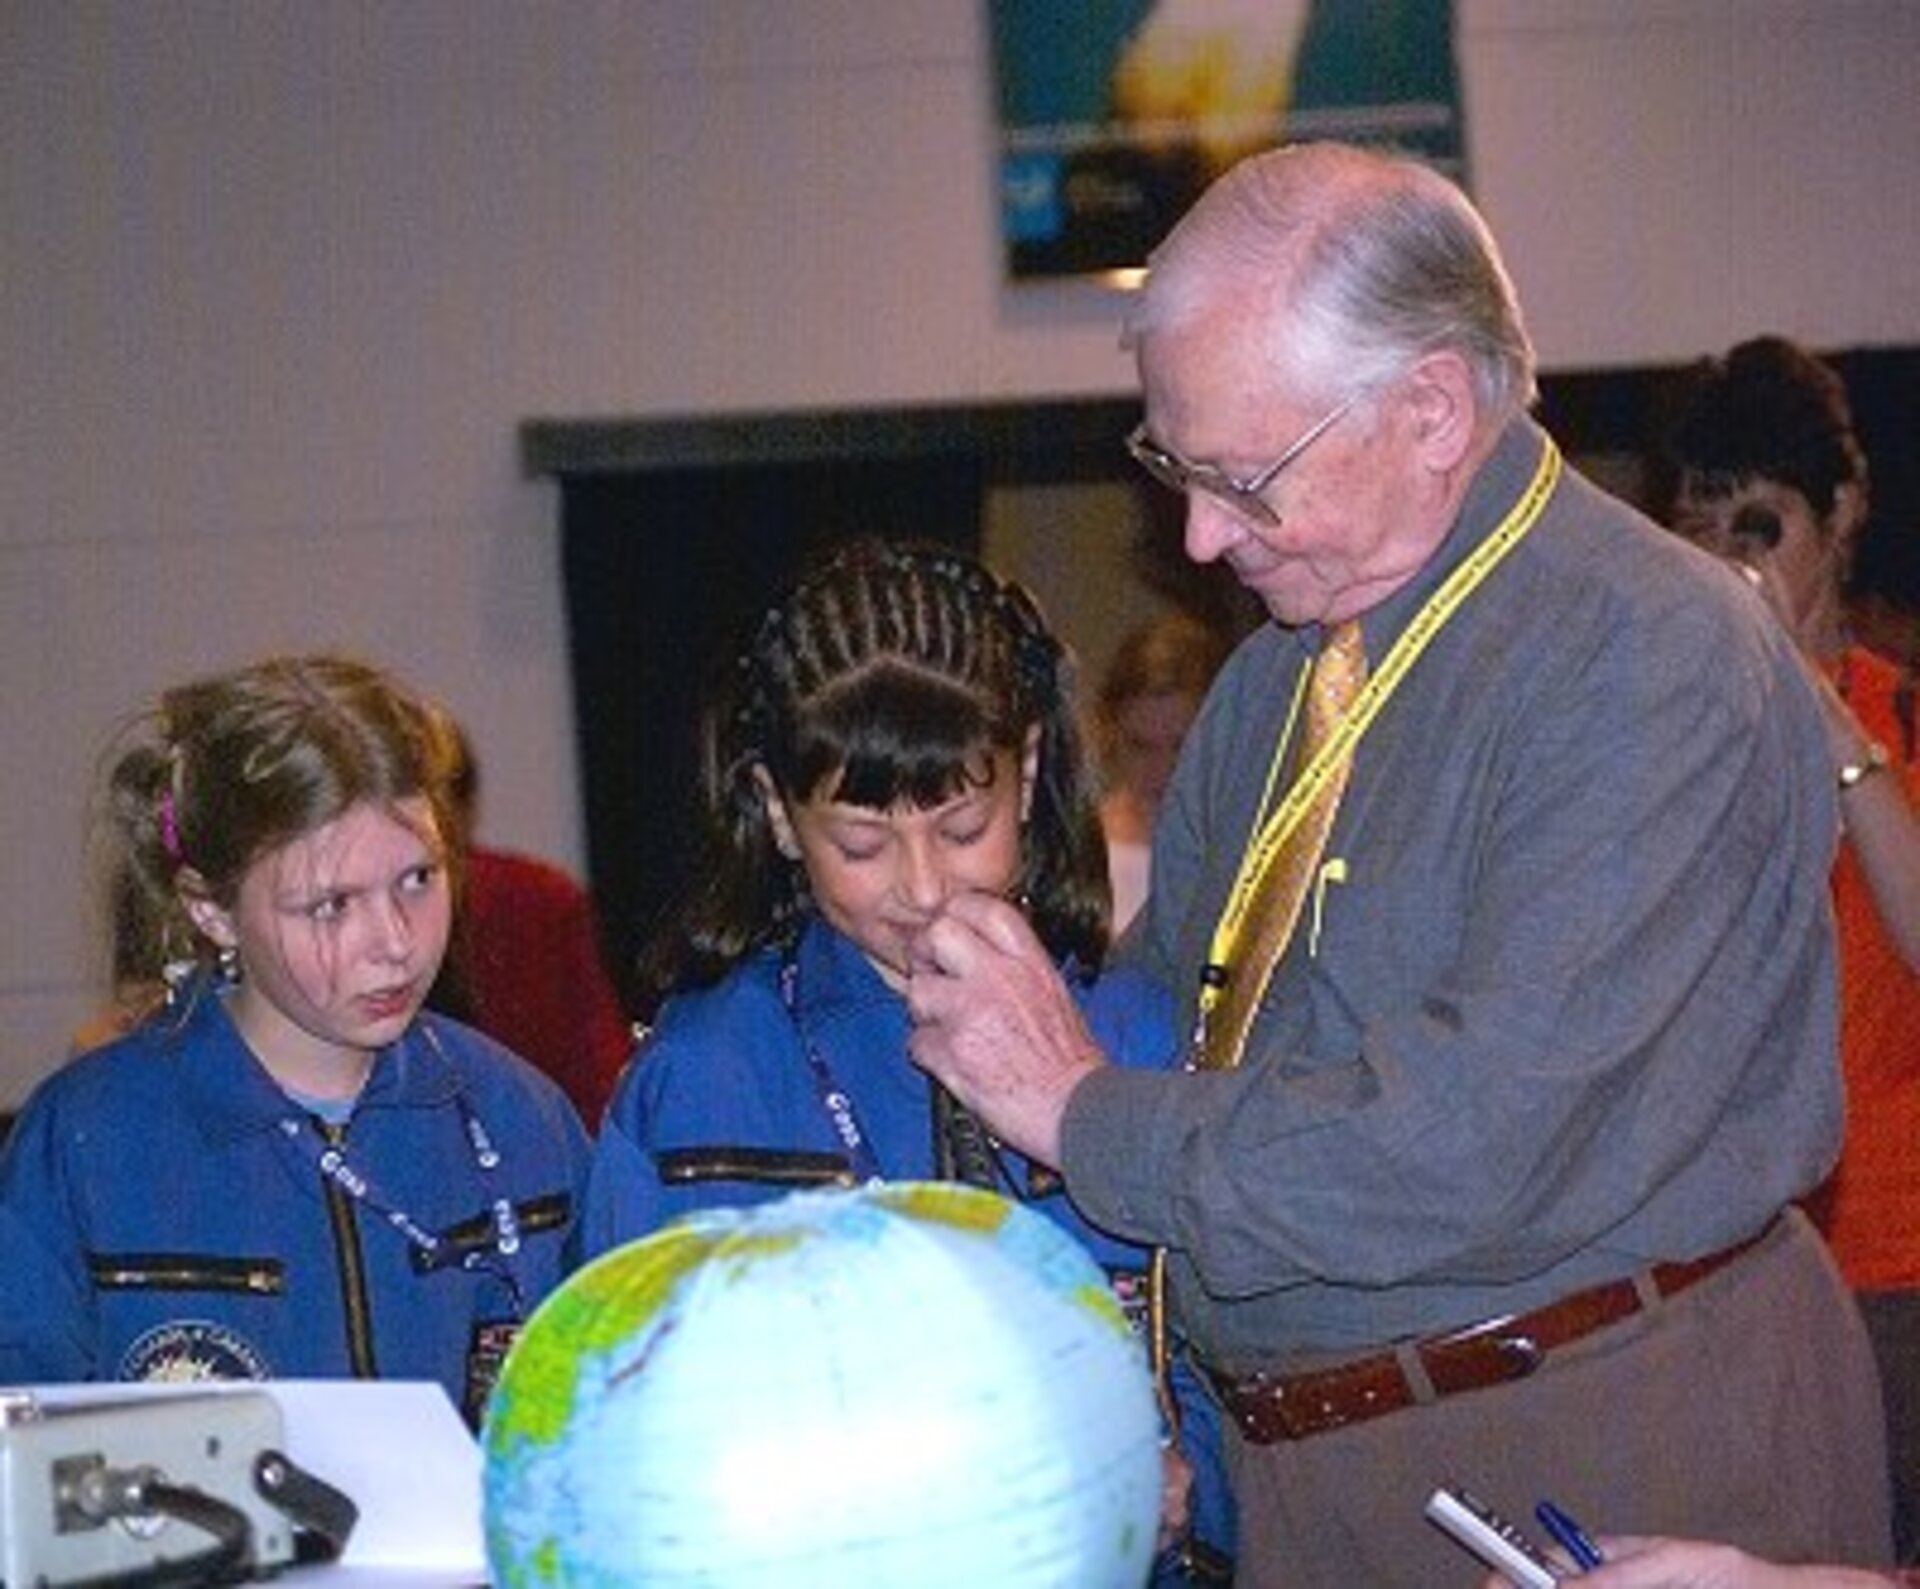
point(1243, 496)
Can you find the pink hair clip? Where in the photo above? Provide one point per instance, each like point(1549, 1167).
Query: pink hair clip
point(169, 826)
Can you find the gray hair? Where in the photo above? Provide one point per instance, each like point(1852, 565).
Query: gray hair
point(1351, 263)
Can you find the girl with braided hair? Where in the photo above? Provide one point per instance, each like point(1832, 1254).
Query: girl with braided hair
point(900, 730)
point(287, 1169)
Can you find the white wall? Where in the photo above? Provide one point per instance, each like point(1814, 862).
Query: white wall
point(279, 279)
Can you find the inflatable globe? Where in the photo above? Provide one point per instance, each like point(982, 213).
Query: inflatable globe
point(909, 1384)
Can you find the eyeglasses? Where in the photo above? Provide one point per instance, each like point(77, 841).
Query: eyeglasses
point(1243, 496)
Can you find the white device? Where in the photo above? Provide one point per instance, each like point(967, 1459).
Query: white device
point(102, 1488)
point(1491, 1537)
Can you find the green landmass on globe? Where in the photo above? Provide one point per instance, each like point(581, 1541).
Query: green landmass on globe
point(903, 1384)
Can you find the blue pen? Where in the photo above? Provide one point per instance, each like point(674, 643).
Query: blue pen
point(1570, 1536)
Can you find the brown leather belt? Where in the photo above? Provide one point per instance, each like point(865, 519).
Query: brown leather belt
point(1273, 1407)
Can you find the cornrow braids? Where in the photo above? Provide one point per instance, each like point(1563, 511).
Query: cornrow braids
point(885, 676)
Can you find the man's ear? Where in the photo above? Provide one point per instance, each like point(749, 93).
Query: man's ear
point(213, 921)
point(778, 817)
point(1444, 407)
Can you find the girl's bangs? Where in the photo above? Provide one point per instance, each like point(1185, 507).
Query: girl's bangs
point(897, 737)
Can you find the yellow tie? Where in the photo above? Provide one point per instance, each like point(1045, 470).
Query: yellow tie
point(1339, 673)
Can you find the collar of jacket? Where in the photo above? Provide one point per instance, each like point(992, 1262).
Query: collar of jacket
point(233, 1096)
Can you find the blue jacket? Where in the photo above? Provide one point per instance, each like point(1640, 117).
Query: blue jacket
point(720, 1108)
point(164, 1213)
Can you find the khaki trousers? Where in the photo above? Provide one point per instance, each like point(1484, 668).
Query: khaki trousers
point(1746, 1408)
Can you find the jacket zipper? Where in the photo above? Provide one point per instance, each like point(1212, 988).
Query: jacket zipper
point(353, 1269)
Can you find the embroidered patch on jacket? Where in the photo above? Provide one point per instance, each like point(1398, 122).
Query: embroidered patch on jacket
point(188, 1351)
point(486, 1354)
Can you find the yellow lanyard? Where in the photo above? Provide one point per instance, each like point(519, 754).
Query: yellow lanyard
point(1270, 838)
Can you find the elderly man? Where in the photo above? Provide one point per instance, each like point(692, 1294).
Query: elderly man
point(1495, 871)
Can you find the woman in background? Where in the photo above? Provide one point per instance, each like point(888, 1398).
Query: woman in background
point(1771, 477)
point(1149, 696)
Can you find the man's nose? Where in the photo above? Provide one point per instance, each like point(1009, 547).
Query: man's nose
point(1210, 528)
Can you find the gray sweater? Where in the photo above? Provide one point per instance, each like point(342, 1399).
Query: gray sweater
point(1571, 1007)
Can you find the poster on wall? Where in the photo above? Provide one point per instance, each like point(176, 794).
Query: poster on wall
point(1114, 114)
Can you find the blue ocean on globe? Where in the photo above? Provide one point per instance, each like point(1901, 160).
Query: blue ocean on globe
point(909, 1384)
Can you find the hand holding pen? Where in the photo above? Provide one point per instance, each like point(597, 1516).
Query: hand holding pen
point(1655, 1563)
point(1569, 1536)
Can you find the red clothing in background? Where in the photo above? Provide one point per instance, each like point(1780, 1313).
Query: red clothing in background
point(530, 970)
point(1870, 1209)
